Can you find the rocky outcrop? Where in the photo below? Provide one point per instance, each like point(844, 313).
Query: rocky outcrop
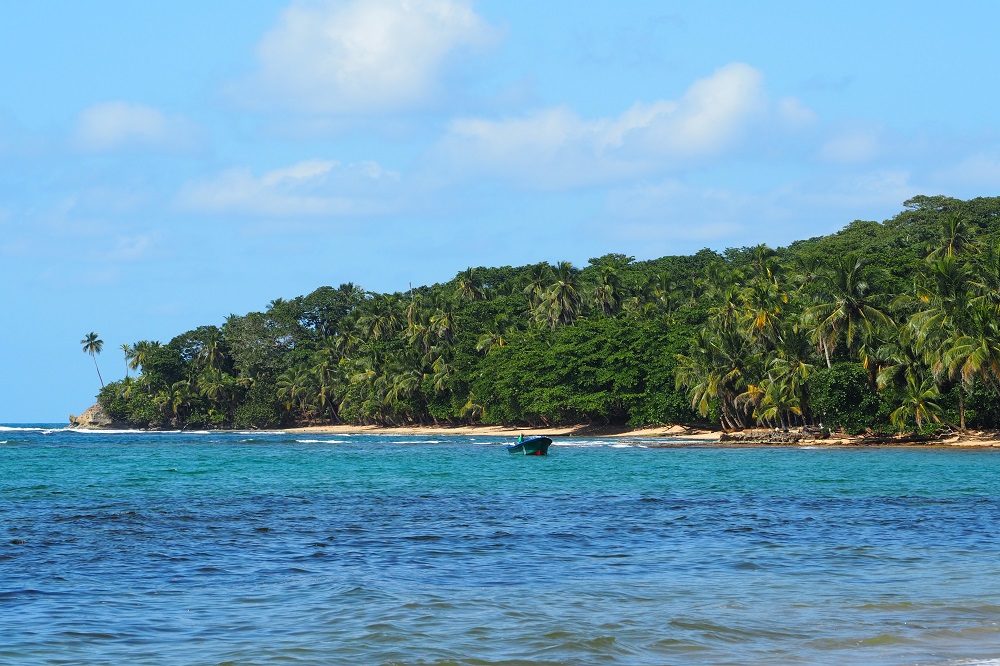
point(95, 418)
point(774, 436)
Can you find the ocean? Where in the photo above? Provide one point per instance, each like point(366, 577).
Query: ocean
point(262, 548)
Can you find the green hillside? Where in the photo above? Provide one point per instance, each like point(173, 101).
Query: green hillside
point(882, 326)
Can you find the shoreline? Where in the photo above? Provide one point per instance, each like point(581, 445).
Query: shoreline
point(676, 433)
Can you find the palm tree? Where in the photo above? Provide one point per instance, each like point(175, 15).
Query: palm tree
point(442, 374)
point(919, 404)
point(327, 376)
point(607, 294)
point(179, 396)
point(292, 386)
point(128, 350)
point(985, 284)
point(972, 355)
point(490, 340)
point(141, 352)
point(762, 303)
point(402, 386)
point(469, 285)
point(92, 344)
point(560, 303)
point(211, 353)
point(538, 275)
point(955, 237)
point(950, 332)
point(214, 384)
point(715, 372)
point(848, 308)
point(442, 323)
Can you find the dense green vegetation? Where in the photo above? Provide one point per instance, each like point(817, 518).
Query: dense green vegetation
point(880, 327)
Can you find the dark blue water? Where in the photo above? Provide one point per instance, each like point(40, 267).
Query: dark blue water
point(262, 548)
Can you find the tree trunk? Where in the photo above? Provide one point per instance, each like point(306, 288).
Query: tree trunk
point(98, 370)
point(961, 408)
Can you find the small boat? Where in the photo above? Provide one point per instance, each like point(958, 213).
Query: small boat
point(536, 446)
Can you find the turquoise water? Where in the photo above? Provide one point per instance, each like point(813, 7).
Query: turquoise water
point(249, 548)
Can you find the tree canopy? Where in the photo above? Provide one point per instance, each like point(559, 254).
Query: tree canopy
point(881, 326)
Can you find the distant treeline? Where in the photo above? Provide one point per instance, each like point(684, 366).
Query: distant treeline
point(888, 326)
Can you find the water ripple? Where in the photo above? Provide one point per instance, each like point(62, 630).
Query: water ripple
point(178, 548)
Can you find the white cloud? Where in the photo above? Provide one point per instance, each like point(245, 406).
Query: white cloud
point(115, 125)
point(359, 56)
point(852, 146)
point(308, 188)
point(795, 113)
point(557, 148)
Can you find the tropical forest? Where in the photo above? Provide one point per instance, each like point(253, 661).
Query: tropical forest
point(883, 327)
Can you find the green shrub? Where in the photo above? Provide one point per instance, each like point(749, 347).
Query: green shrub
point(256, 414)
point(842, 397)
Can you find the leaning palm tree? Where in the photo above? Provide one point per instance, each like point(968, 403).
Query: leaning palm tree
point(92, 344)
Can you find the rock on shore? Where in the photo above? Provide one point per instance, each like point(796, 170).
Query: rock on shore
point(94, 418)
point(773, 436)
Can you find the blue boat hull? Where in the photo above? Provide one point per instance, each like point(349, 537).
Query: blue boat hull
point(536, 446)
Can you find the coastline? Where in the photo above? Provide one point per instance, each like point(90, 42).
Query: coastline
point(675, 432)
point(678, 434)
point(672, 435)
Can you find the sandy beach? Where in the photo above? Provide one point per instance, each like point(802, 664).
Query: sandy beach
point(676, 432)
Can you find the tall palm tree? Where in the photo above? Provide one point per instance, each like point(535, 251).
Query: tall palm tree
point(715, 372)
point(327, 377)
point(561, 301)
point(92, 344)
point(213, 384)
point(762, 303)
point(949, 330)
point(128, 350)
point(212, 354)
point(847, 310)
point(985, 284)
point(971, 355)
point(537, 277)
point(607, 294)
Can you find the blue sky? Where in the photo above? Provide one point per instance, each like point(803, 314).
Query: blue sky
point(163, 165)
